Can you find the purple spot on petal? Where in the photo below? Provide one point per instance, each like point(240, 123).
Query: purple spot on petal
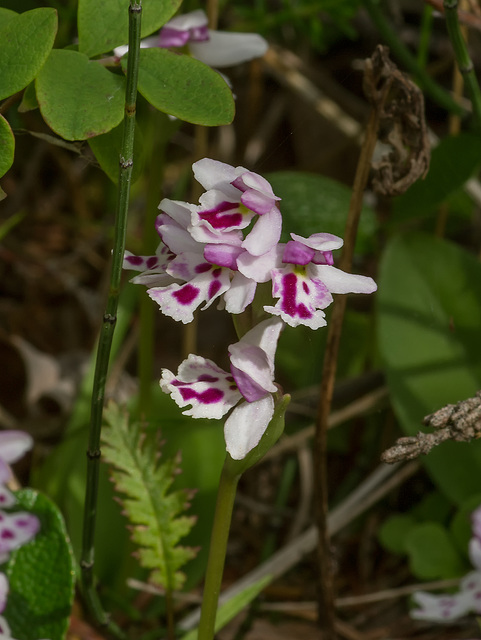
point(230, 379)
point(209, 396)
point(305, 287)
point(214, 287)
point(186, 294)
point(152, 262)
point(2, 498)
point(219, 218)
point(216, 273)
point(135, 260)
point(202, 268)
point(22, 523)
point(205, 377)
point(289, 304)
point(7, 534)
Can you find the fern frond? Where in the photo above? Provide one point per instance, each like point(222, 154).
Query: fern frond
point(152, 508)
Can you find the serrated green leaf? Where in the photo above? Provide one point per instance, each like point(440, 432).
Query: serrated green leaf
point(152, 507)
point(105, 26)
point(184, 87)
point(106, 149)
point(27, 39)
point(313, 203)
point(7, 146)
point(453, 162)
point(41, 575)
point(432, 554)
point(78, 97)
point(429, 314)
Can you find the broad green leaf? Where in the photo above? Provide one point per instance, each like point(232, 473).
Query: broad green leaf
point(429, 319)
point(78, 97)
point(453, 162)
point(102, 27)
point(41, 575)
point(461, 527)
point(7, 146)
point(393, 532)
point(27, 39)
point(184, 87)
point(6, 15)
point(154, 510)
point(432, 554)
point(313, 203)
point(106, 149)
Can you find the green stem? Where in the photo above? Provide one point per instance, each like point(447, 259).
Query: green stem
point(218, 546)
point(463, 60)
point(425, 36)
point(109, 320)
point(439, 95)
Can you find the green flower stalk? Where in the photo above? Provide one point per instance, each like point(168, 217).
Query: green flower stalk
point(109, 320)
point(463, 60)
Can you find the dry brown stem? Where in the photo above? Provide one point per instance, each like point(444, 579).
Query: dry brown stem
point(460, 422)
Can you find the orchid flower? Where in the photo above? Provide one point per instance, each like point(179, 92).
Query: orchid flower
point(200, 257)
point(443, 608)
point(13, 445)
point(304, 286)
point(214, 48)
point(248, 386)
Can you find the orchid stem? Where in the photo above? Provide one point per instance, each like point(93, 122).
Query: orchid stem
point(463, 60)
point(218, 547)
point(108, 327)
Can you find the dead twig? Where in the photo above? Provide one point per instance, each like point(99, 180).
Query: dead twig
point(460, 422)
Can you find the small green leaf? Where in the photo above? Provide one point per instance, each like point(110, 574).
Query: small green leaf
point(78, 97)
point(103, 27)
point(7, 146)
point(453, 162)
point(152, 507)
point(106, 149)
point(41, 575)
point(312, 204)
point(429, 314)
point(432, 554)
point(27, 39)
point(29, 99)
point(184, 87)
point(394, 531)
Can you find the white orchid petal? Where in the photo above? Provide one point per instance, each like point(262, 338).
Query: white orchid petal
point(190, 20)
point(259, 268)
point(246, 425)
point(338, 281)
point(320, 241)
point(301, 298)
point(213, 174)
point(14, 445)
point(225, 49)
point(209, 390)
point(240, 294)
point(265, 234)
